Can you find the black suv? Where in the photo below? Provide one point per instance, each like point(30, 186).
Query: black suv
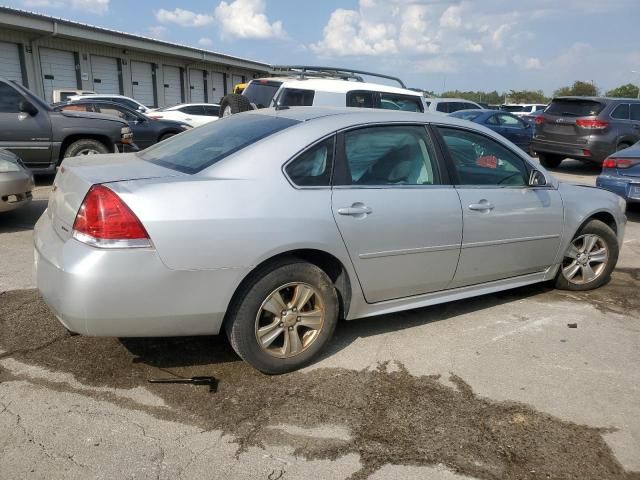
point(585, 128)
point(42, 137)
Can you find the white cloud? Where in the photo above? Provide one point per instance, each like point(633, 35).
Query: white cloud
point(205, 42)
point(246, 19)
point(184, 18)
point(528, 63)
point(437, 65)
point(451, 17)
point(96, 6)
point(157, 31)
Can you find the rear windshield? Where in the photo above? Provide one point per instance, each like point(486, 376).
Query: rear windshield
point(261, 92)
point(574, 107)
point(466, 114)
point(197, 149)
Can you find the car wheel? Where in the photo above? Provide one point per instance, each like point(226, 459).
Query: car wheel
point(233, 103)
point(548, 160)
point(591, 257)
point(166, 135)
point(85, 147)
point(283, 317)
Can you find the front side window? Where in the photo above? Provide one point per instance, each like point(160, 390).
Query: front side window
point(621, 112)
point(107, 110)
point(296, 97)
point(211, 111)
point(194, 150)
point(77, 107)
point(479, 160)
point(193, 110)
point(396, 155)
point(9, 99)
point(313, 167)
point(407, 103)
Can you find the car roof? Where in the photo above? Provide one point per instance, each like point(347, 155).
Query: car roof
point(337, 85)
point(447, 99)
point(181, 105)
point(597, 99)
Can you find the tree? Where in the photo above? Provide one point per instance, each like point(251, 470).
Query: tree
point(624, 91)
point(527, 96)
point(578, 89)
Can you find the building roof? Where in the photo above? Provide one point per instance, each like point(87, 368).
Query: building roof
point(17, 19)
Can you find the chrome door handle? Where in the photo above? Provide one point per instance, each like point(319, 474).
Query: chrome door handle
point(483, 206)
point(355, 210)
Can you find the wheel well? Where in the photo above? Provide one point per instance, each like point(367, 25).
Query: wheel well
point(168, 132)
point(82, 136)
point(604, 217)
point(323, 260)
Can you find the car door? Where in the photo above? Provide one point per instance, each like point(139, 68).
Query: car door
point(515, 130)
point(400, 219)
point(28, 135)
point(635, 121)
point(621, 116)
point(510, 228)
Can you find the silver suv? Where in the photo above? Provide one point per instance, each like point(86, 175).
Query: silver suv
point(585, 128)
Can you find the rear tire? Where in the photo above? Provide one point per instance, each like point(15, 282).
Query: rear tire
point(593, 251)
point(305, 309)
point(549, 160)
point(85, 146)
point(232, 104)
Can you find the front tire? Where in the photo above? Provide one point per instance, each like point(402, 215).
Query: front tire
point(283, 317)
point(549, 160)
point(234, 103)
point(85, 146)
point(591, 257)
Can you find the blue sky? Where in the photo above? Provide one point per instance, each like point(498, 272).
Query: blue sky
point(431, 44)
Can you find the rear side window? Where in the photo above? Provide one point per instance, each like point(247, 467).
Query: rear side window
point(407, 103)
point(313, 167)
point(193, 110)
point(635, 111)
point(574, 107)
point(296, 97)
point(621, 112)
point(197, 149)
point(444, 107)
point(211, 111)
point(360, 99)
point(261, 92)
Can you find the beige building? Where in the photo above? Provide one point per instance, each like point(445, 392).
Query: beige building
point(46, 53)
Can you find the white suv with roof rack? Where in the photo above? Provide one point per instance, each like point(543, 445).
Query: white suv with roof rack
point(297, 86)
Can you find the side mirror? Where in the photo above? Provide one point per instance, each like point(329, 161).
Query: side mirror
point(28, 107)
point(537, 179)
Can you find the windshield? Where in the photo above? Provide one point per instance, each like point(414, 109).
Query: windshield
point(574, 107)
point(261, 92)
point(197, 149)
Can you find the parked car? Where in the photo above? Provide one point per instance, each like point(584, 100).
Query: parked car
point(194, 114)
point(588, 129)
point(347, 214)
point(121, 99)
point(16, 182)
point(522, 109)
point(302, 86)
point(42, 137)
point(63, 94)
point(621, 174)
point(450, 105)
point(531, 117)
point(146, 130)
point(509, 126)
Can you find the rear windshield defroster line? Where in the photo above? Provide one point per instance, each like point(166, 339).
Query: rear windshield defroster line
point(194, 150)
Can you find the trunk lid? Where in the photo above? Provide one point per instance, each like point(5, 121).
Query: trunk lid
point(76, 176)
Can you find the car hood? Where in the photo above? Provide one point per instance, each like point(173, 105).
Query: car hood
point(96, 116)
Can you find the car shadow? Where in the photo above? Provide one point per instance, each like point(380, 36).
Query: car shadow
point(179, 352)
point(23, 218)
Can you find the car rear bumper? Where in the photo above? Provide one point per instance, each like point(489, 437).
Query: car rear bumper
point(15, 190)
point(623, 186)
point(127, 292)
point(592, 151)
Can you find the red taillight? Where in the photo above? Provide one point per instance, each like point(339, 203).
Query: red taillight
point(539, 120)
point(105, 220)
point(592, 124)
point(620, 162)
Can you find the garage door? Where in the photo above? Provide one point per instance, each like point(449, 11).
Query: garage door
point(10, 62)
point(172, 86)
point(217, 87)
point(58, 71)
point(104, 71)
point(142, 81)
point(196, 84)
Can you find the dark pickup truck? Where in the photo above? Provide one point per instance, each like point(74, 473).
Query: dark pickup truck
point(43, 137)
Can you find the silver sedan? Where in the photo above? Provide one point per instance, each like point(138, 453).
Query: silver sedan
point(16, 182)
point(272, 225)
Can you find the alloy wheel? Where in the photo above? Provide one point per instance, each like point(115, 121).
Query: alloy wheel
point(585, 259)
point(289, 320)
